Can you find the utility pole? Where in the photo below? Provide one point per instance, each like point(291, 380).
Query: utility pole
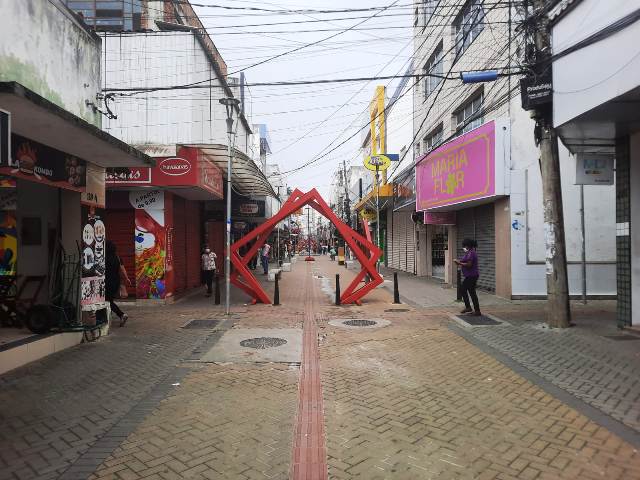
point(558, 306)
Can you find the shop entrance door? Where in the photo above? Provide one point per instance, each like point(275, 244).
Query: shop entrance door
point(439, 242)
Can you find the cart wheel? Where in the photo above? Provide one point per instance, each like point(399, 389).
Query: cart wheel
point(38, 319)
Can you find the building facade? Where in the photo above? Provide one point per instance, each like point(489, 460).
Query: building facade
point(477, 170)
point(595, 96)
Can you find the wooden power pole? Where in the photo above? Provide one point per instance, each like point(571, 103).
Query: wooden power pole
point(558, 306)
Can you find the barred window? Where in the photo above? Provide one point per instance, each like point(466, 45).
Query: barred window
point(428, 9)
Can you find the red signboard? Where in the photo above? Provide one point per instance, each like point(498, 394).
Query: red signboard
point(190, 168)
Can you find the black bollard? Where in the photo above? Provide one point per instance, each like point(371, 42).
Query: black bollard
point(396, 290)
point(217, 292)
point(459, 285)
point(337, 289)
point(276, 294)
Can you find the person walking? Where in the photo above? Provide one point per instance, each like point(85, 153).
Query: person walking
point(208, 268)
point(115, 273)
point(469, 266)
point(264, 257)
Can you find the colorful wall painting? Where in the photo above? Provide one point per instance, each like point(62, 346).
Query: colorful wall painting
point(150, 243)
point(8, 228)
point(92, 285)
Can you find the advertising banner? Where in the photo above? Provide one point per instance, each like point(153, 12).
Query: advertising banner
point(92, 287)
point(439, 218)
point(8, 228)
point(150, 243)
point(459, 171)
point(39, 163)
point(248, 209)
point(189, 168)
point(94, 193)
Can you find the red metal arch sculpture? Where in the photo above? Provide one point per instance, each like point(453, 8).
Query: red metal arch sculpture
point(364, 249)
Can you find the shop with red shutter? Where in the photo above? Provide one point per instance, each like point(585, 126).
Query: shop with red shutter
point(158, 214)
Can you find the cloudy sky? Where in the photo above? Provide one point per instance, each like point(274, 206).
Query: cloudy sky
point(307, 122)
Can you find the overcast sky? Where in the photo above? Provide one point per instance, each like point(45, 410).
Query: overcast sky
point(306, 121)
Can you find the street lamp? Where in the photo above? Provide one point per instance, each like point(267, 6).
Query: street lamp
point(230, 104)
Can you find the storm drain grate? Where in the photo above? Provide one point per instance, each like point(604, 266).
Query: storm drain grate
point(360, 323)
point(262, 343)
point(397, 310)
point(201, 324)
point(477, 321)
point(624, 336)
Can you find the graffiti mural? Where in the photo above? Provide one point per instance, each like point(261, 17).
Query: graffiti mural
point(150, 244)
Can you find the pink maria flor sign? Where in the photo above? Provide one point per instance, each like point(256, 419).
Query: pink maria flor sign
point(459, 171)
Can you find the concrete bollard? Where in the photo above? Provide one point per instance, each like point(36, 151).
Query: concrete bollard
point(396, 290)
point(276, 294)
point(337, 289)
point(217, 292)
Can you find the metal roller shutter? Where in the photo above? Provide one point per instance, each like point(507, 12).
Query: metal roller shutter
point(193, 240)
point(179, 244)
point(395, 253)
point(121, 225)
point(411, 244)
point(479, 223)
point(402, 230)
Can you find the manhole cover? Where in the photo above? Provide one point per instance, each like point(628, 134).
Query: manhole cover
point(263, 343)
point(397, 310)
point(360, 323)
point(622, 337)
point(476, 321)
point(201, 324)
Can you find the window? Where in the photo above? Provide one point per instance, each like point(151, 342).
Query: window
point(417, 150)
point(428, 10)
point(111, 15)
point(470, 115)
point(434, 139)
point(435, 68)
point(468, 25)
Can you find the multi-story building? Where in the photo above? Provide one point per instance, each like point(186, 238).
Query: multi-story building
point(596, 90)
point(477, 170)
point(53, 156)
point(176, 207)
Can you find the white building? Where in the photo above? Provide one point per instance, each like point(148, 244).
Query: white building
point(596, 89)
point(505, 214)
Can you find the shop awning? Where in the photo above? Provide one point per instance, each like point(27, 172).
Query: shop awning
point(35, 117)
point(369, 200)
point(246, 177)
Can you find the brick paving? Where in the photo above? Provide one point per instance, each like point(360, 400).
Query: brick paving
point(410, 400)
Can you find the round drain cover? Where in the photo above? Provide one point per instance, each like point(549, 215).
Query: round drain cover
point(360, 323)
point(263, 342)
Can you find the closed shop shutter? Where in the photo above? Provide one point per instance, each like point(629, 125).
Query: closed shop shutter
point(411, 244)
point(395, 237)
point(179, 245)
point(479, 223)
point(402, 223)
point(120, 225)
point(193, 240)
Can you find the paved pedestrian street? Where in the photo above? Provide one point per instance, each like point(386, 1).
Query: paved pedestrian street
point(411, 396)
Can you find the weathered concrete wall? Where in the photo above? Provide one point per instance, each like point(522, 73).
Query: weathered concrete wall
point(44, 48)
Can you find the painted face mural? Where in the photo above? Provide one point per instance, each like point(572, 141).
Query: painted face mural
point(150, 246)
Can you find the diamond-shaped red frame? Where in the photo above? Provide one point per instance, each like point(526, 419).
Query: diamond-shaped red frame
point(364, 249)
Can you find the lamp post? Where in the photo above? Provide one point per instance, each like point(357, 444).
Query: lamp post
point(309, 257)
point(230, 104)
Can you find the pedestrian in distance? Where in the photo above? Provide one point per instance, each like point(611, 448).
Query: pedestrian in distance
point(264, 257)
point(115, 275)
point(469, 266)
point(208, 268)
point(332, 253)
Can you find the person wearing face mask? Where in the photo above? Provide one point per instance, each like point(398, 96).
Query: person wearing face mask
point(469, 265)
point(208, 268)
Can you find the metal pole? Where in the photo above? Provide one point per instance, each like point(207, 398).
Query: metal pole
point(584, 247)
point(377, 215)
point(227, 257)
point(308, 233)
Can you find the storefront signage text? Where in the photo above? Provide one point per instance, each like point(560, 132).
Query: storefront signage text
point(458, 171)
point(174, 167)
point(135, 175)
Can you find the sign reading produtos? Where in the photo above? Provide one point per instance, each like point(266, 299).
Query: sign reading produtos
point(459, 171)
